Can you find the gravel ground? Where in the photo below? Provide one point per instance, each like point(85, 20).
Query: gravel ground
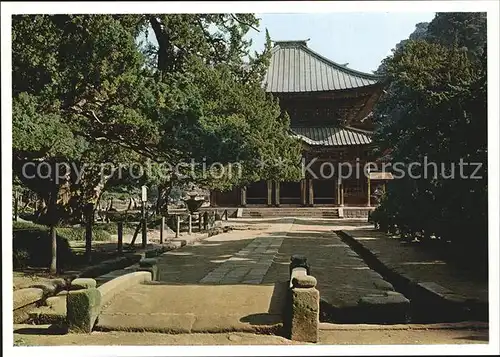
point(381, 336)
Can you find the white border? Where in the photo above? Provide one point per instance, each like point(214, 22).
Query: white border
point(492, 7)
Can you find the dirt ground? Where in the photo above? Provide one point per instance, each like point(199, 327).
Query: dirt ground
point(383, 336)
point(21, 280)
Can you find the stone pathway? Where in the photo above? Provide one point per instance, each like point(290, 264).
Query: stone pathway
point(249, 265)
point(238, 281)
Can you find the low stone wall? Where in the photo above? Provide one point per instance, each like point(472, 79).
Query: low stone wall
point(109, 265)
point(355, 212)
point(84, 301)
point(302, 317)
point(26, 299)
point(111, 288)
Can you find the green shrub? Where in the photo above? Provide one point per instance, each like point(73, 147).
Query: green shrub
point(126, 216)
point(112, 228)
point(33, 247)
point(27, 225)
point(32, 243)
point(21, 258)
point(69, 233)
point(78, 234)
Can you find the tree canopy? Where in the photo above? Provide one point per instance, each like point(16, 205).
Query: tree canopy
point(435, 109)
point(91, 89)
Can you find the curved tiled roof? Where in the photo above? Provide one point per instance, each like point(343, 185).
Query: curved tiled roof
point(296, 68)
point(332, 136)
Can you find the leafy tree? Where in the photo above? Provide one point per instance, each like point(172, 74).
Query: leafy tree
point(435, 108)
point(87, 92)
point(59, 63)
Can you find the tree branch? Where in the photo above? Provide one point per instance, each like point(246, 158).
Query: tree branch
point(244, 23)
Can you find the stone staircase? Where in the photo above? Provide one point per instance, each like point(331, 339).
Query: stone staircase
point(313, 212)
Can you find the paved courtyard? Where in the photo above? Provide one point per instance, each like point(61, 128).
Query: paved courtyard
point(237, 280)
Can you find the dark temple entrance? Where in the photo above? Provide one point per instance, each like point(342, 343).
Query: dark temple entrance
point(290, 193)
point(257, 193)
point(324, 192)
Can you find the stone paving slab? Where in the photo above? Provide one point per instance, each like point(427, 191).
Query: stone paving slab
point(247, 266)
point(343, 277)
point(195, 308)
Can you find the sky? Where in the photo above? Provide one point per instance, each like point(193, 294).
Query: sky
point(360, 39)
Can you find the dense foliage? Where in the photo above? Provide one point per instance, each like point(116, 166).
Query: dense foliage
point(435, 111)
point(90, 90)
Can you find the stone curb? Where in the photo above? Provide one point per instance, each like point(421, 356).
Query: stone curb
point(173, 323)
point(109, 265)
point(431, 293)
point(109, 289)
point(467, 325)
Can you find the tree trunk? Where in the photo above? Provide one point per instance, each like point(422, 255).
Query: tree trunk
point(162, 200)
point(88, 232)
point(53, 262)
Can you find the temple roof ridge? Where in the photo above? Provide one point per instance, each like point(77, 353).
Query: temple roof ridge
point(294, 67)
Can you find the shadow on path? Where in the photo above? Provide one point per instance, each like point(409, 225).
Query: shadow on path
point(45, 330)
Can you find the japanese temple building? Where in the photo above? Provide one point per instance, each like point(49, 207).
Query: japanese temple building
point(330, 108)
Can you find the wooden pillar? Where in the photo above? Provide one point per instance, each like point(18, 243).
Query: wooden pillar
point(243, 196)
point(368, 191)
point(338, 191)
point(213, 199)
point(120, 237)
point(303, 194)
point(177, 225)
point(311, 192)
point(269, 192)
point(277, 193)
point(162, 229)
point(144, 226)
point(341, 193)
point(205, 221)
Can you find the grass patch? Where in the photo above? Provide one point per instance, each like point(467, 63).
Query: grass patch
point(32, 244)
point(69, 233)
point(112, 228)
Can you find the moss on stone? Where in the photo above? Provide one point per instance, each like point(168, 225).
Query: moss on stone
point(155, 276)
point(83, 308)
point(83, 283)
point(147, 262)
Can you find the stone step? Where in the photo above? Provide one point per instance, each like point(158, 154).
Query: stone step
point(292, 212)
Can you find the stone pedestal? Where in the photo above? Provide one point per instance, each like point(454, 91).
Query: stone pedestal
point(83, 308)
point(305, 314)
point(150, 265)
